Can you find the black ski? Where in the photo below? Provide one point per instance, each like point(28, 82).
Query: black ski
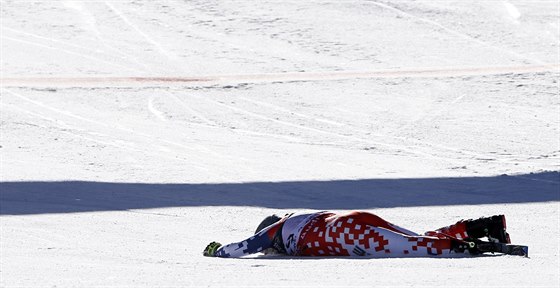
point(509, 249)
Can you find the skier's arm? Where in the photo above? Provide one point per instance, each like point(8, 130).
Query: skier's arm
point(254, 244)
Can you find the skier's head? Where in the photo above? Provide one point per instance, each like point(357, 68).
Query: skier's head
point(267, 222)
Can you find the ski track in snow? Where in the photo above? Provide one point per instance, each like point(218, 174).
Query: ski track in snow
point(193, 149)
point(50, 39)
point(394, 147)
point(117, 142)
point(512, 10)
point(457, 33)
point(59, 49)
point(209, 123)
point(154, 111)
point(149, 39)
point(150, 138)
point(119, 55)
point(442, 148)
point(91, 21)
point(67, 129)
point(212, 124)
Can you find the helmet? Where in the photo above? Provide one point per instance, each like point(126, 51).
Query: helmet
point(267, 222)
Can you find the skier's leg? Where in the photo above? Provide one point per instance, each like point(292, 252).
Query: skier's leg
point(457, 230)
point(387, 243)
point(375, 221)
point(493, 227)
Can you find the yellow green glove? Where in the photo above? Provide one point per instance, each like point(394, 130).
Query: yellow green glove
point(210, 250)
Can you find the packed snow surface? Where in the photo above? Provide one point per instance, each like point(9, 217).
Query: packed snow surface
point(133, 133)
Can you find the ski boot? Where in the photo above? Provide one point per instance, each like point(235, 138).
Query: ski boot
point(493, 227)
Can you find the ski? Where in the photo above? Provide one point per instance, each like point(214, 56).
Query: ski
point(508, 249)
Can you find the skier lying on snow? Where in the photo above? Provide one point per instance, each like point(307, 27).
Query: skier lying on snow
point(359, 234)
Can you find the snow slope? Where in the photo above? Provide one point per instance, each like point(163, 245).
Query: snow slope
point(133, 133)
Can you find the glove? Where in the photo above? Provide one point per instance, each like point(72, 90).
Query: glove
point(210, 250)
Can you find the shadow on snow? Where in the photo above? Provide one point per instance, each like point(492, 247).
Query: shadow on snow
point(19, 198)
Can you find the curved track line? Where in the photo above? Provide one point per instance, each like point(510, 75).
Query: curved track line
point(122, 129)
point(48, 39)
point(190, 147)
point(197, 114)
point(95, 59)
point(155, 111)
point(138, 30)
point(335, 134)
point(89, 19)
point(120, 55)
point(105, 81)
point(68, 129)
point(456, 33)
point(403, 147)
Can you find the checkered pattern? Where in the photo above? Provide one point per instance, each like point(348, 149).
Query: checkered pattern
point(351, 235)
point(429, 245)
point(338, 237)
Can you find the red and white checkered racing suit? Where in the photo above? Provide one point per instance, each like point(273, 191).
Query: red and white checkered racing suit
point(352, 234)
